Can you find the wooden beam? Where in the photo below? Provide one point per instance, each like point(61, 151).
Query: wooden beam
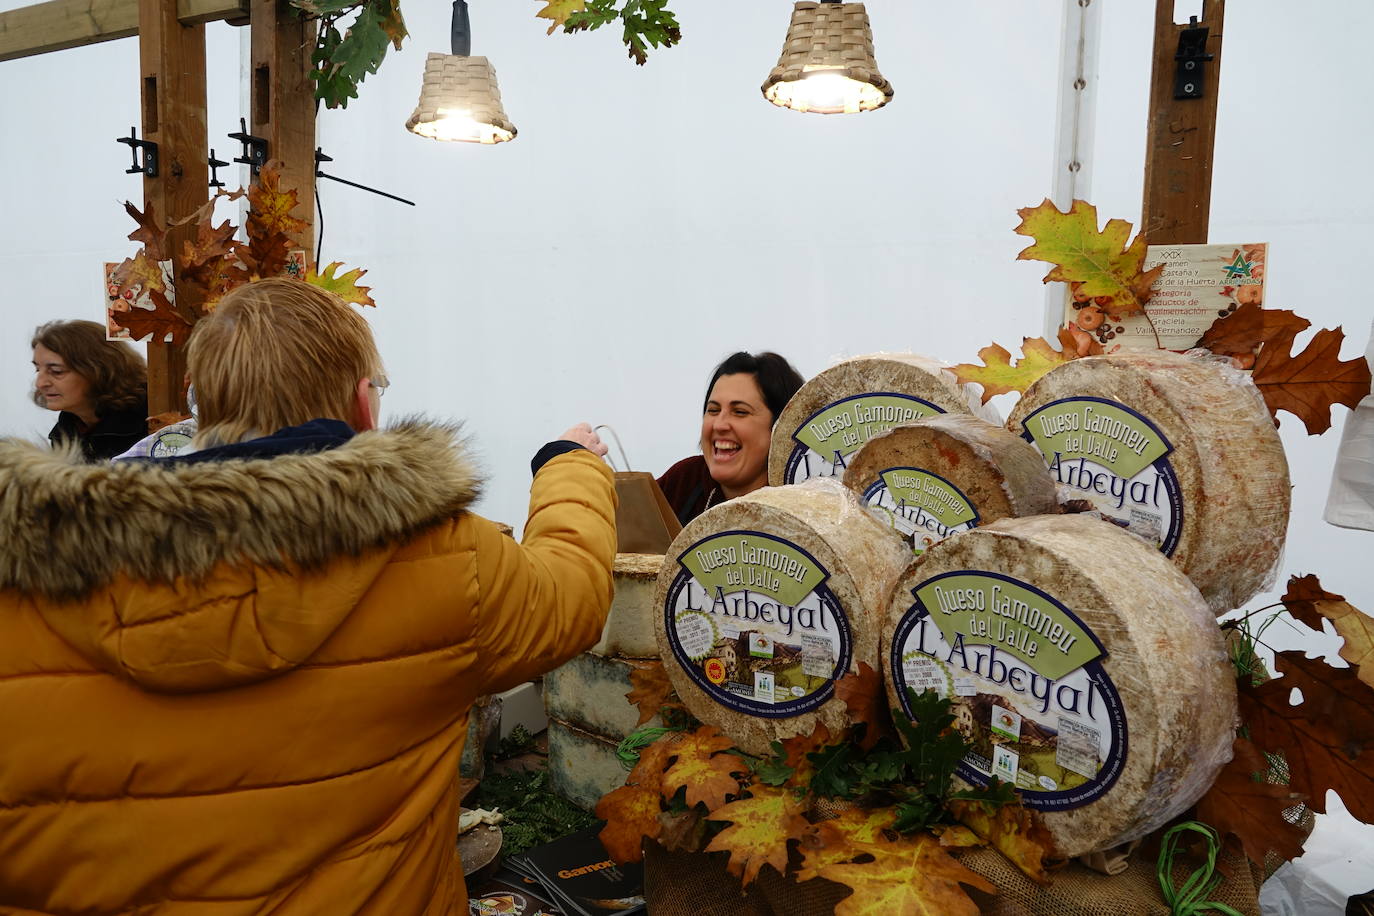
point(1182, 134)
point(172, 61)
point(61, 24)
point(282, 99)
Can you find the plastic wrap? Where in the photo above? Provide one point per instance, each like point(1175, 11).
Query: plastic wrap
point(1350, 503)
point(629, 629)
point(765, 601)
point(1084, 668)
point(835, 413)
point(941, 475)
point(1179, 450)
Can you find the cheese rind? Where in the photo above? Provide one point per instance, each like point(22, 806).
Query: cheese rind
point(765, 601)
point(1100, 687)
point(835, 413)
point(629, 629)
point(945, 474)
point(1178, 449)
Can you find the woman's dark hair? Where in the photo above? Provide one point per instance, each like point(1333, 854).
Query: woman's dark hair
point(775, 376)
point(117, 374)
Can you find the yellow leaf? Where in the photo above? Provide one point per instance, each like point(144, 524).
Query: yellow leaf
point(345, 286)
point(631, 815)
point(1109, 269)
point(1012, 830)
point(139, 273)
point(760, 828)
point(998, 376)
point(559, 11)
point(913, 876)
point(843, 838)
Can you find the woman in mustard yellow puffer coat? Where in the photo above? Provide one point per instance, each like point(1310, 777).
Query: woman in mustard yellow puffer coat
point(239, 682)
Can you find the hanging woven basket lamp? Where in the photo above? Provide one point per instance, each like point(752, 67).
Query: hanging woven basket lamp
point(827, 64)
point(459, 99)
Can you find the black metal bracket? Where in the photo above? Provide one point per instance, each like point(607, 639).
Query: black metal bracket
point(254, 150)
point(148, 149)
point(215, 166)
point(1189, 58)
point(321, 157)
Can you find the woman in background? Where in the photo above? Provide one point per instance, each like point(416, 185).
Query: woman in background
point(746, 394)
point(99, 386)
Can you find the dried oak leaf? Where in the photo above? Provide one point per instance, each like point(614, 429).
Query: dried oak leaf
point(1012, 830)
point(159, 321)
point(865, 697)
point(1309, 383)
point(139, 272)
point(759, 831)
point(1244, 803)
point(683, 831)
point(652, 691)
point(843, 838)
point(1249, 326)
point(631, 815)
point(1109, 269)
point(1309, 602)
point(345, 286)
point(150, 234)
point(707, 775)
point(913, 875)
point(558, 11)
point(270, 225)
point(1325, 739)
point(211, 242)
point(997, 375)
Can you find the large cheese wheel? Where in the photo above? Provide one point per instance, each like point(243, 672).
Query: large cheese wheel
point(765, 601)
point(1084, 668)
point(1179, 450)
point(836, 412)
point(949, 473)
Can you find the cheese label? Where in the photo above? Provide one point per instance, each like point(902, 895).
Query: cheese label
point(1027, 682)
point(751, 621)
point(827, 438)
point(923, 507)
point(1117, 460)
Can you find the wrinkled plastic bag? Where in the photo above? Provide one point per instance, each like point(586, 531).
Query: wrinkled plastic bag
point(1350, 504)
point(1338, 864)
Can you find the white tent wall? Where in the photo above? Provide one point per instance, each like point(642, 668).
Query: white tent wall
point(649, 220)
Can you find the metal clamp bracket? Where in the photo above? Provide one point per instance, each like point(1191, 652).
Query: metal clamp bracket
point(254, 151)
point(215, 165)
point(1189, 58)
point(148, 149)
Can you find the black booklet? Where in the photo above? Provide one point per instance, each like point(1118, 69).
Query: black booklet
point(578, 877)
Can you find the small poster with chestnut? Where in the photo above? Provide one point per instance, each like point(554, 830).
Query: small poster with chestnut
point(1200, 284)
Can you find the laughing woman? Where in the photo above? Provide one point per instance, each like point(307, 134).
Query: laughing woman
point(743, 400)
point(100, 387)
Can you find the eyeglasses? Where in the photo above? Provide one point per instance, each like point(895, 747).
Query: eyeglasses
point(381, 383)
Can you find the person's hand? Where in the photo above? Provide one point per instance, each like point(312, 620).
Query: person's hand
point(585, 436)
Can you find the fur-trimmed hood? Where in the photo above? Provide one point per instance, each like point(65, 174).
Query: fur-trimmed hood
point(121, 557)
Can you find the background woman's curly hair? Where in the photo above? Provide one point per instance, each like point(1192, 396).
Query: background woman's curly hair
point(117, 374)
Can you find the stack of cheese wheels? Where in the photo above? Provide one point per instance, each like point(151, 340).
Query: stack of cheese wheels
point(835, 413)
point(1179, 450)
point(764, 602)
point(947, 474)
point(1082, 666)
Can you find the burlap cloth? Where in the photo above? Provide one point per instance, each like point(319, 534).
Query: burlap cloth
point(697, 884)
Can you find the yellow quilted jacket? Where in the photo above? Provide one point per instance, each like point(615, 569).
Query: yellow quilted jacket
point(243, 687)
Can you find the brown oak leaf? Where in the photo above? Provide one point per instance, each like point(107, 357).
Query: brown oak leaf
point(158, 322)
point(1325, 739)
point(652, 691)
point(1242, 802)
point(913, 875)
point(139, 273)
point(631, 815)
point(1307, 601)
point(211, 241)
point(865, 697)
point(707, 775)
point(759, 831)
point(1310, 383)
point(1014, 831)
point(1249, 326)
point(150, 233)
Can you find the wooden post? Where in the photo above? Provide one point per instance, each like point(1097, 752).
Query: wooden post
point(172, 60)
point(1182, 133)
point(283, 102)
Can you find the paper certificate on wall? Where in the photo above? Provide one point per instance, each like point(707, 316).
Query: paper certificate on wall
point(1200, 284)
